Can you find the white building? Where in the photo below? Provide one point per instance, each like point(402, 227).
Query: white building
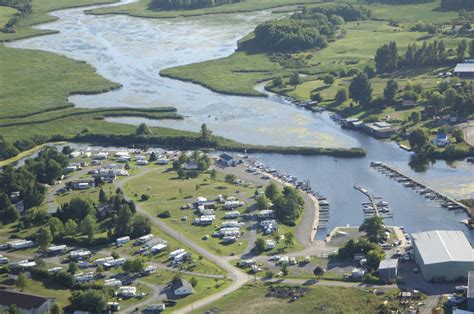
point(122, 240)
point(20, 244)
point(443, 255)
point(181, 287)
point(127, 291)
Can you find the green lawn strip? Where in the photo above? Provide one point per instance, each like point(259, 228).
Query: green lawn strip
point(39, 81)
point(6, 13)
point(142, 8)
point(43, 288)
point(101, 113)
point(24, 154)
point(170, 193)
point(204, 288)
point(39, 15)
point(252, 298)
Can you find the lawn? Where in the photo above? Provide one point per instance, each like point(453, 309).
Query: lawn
point(142, 8)
point(318, 299)
point(6, 13)
point(205, 287)
point(170, 193)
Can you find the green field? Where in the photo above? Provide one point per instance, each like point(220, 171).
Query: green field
point(142, 8)
point(318, 299)
point(6, 13)
point(240, 72)
point(170, 193)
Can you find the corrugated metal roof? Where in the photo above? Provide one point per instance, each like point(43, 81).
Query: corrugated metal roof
point(470, 284)
point(464, 67)
point(388, 264)
point(440, 246)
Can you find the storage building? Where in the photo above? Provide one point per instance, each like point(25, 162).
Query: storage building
point(388, 270)
point(443, 255)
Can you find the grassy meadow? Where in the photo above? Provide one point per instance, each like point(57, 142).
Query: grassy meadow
point(318, 299)
point(6, 13)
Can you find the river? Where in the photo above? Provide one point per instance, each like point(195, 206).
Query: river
point(132, 51)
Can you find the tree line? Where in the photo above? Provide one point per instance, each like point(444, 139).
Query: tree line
point(435, 53)
point(188, 4)
point(348, 12)
point(457, 4)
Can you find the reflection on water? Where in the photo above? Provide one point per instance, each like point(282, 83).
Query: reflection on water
point(132, 51)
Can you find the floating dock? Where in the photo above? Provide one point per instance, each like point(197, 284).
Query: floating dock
point(422, 188)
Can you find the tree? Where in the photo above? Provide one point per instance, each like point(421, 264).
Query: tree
point(374, 228)
point(153, 157)
point(341, 95)
point(471, 49)
point(140, 226)
point(450, 97)
point(13, 309)
point(259, 245)
point(262, 202)
point(390, 91)
point(289, 206)
point(374, 257)
point(415, 116)
point(143, 129)
point(289, 239)
point(437, 100)
point(77, 209)
point(277, 82)
point(70, 228)
point(295, 79)
point(8, 212)
point(360, 89)
point(272, 191)
point(56, 309)
point(318, 272)
point(72, 268)
point(102, 196)
point(230, 178)
point(44, 238)
point(22, 281)
point(206, 134)
point(328, 80)
point(386, 58)
point(458, 134)
point(284, 269)
point(369, 71)
point(123, 223)
point(213, 175)
point(135, 266)
point(193, 281)
point(56, 227)
point(461, 50)
point(94, 301)
point(89, 227)
point(418, 138)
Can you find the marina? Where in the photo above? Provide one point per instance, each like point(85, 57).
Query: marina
point(424, 190)
point(376, 205)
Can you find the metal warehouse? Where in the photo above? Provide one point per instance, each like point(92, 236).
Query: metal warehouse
point(443, 255)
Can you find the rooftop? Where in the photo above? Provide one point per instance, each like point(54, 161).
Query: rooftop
point(180, 283)
point(440, 246)
point(390, 263)
point(21, 300)
point(464, 67)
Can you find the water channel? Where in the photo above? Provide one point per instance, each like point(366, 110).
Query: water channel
point(132, 51)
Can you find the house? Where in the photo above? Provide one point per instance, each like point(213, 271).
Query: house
point(191, 165)
point(441, 140)
point(181, 287)
point(352, 123)
point(379, 129)
point(388, 270)
point(227, 160)
point(26, 303)
point(464, 70)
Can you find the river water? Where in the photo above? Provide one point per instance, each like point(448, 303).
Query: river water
point(132, 51)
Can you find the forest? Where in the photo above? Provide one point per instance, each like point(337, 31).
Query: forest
point(348, 12)
point(188, 4)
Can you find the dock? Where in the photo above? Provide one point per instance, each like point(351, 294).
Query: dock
point(371, 198)
point(422, 188)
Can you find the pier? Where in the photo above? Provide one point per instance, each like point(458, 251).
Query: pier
point(422, 188)
point(371, 198)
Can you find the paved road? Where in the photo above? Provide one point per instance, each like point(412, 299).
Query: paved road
point(237, 276)
point(469, 133)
